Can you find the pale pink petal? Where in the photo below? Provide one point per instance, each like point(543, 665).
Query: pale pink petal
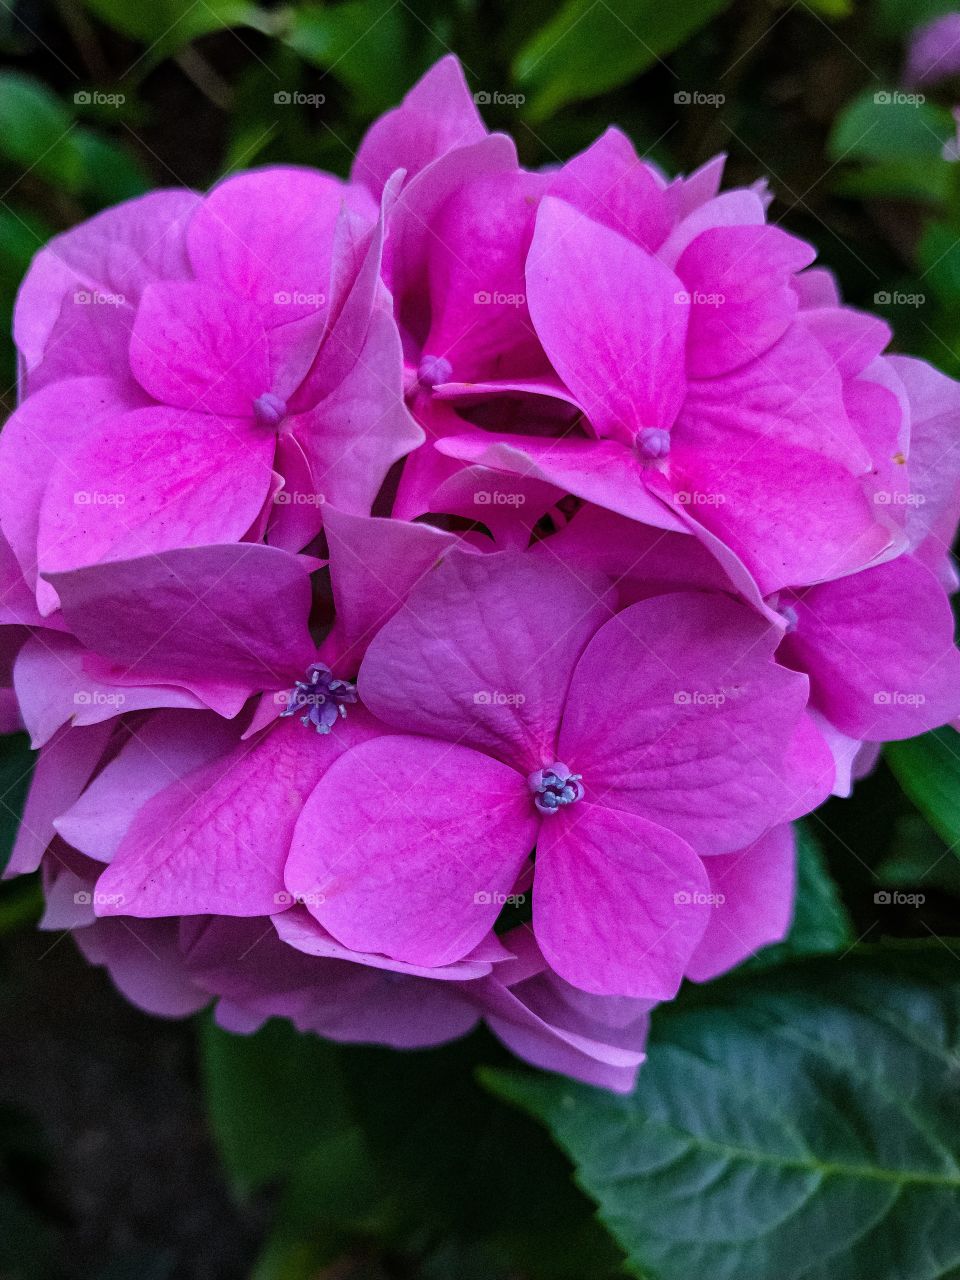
point(169, 745)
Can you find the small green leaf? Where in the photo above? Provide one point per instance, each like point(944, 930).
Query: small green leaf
point(589, 47)
point(889, 125)
point(273, 1098)
point(928, 769)
point(802, 1124)
point(16, 767)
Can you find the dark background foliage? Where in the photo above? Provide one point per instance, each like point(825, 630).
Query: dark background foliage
point(133, 1147)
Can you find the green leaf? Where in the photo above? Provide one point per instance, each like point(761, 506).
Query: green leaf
point(590, 47)
point(172, 24)
point(820, 921)
point(887, 125)
point(16, 767)
point(35, 131)
point(362, 42)
point(273, 1098)
point(928, 769)
point(802, 1124)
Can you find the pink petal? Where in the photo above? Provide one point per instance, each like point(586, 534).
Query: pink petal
point(879, 650)
point(374, 565)
point(54, 685)
point(298, 929)
point(618, 904)
point(677, 713)
point(215, 841)
point(408, 847)
point(591, 292)
point(753, 891)
point(437, 115)
point(46, 428)
point(167, 746)
point(741, 299)
point(193, 347)
point(284, 257)
point(601, 471)
point(353, 437)
point(60, 773)
point(118, 252)
point(440, 666)
point(245, 607)
point(152, 480)
point(609, 184)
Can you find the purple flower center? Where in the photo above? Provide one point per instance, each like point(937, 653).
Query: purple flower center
point(321, 697)
point(269, 410)
point(434, 370)
point(791, 617)
point(554, 787)
point(652, 442)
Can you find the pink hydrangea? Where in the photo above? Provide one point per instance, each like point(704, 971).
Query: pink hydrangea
point(433, 596)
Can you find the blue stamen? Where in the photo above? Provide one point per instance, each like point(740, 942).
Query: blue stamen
point(434, 370)
point(322, 698)
point(554, 787)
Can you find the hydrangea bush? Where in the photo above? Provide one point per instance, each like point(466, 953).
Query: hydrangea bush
point(434, 595)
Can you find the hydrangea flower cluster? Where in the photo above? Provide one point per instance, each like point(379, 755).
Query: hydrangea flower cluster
point(433, 595)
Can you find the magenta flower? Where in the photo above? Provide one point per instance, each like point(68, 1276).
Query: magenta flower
point(625, 747)
point(433, 596)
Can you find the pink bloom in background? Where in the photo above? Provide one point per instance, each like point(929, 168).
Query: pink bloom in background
point(434, 595)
